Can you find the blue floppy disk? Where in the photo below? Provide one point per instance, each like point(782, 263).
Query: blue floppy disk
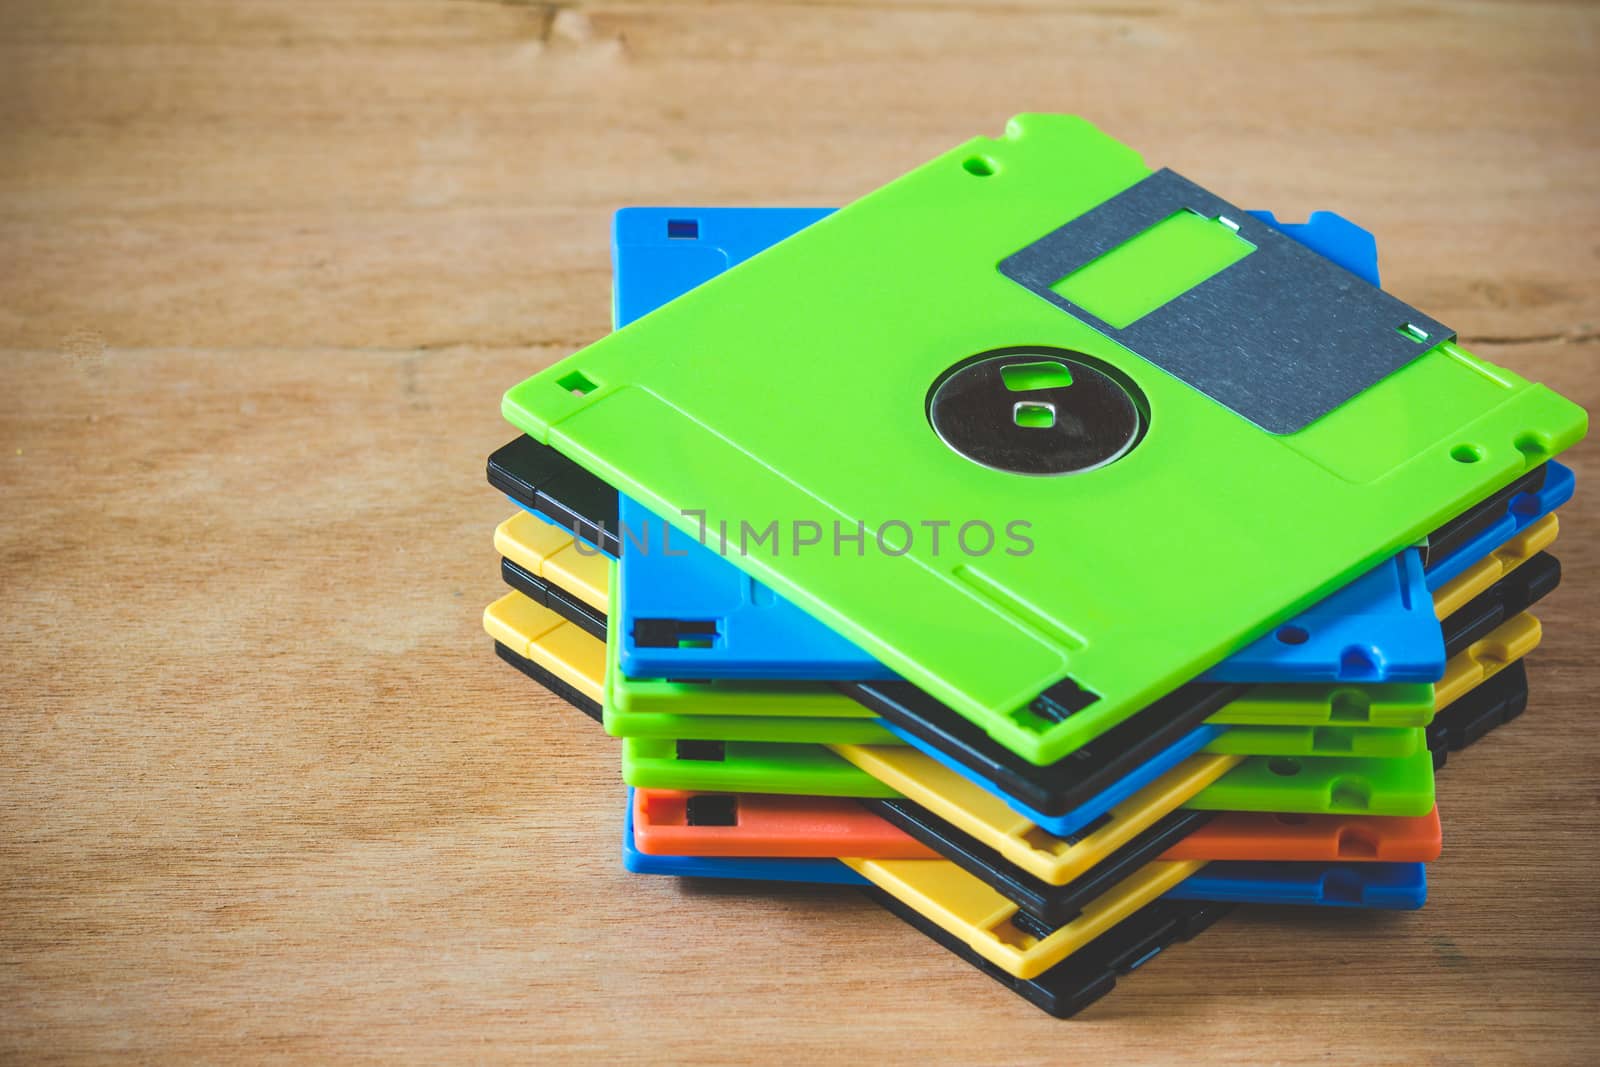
point(661, 253)
point(1351, 885)
point(1379, 628)
point(685, 611)
point(1402, 886)
point(1363, 619)
point(688, 570)
point(1071, 823)
point(1388, 608)
point(1522, 511)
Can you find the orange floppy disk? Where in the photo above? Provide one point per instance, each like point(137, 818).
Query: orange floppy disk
point(1257, 835)
point(757, 824)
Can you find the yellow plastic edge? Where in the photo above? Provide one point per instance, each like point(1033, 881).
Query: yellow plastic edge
point(1454, 594)
point(535, 632)
point(964, 906)
point(551, 553)
point(1036, 850)
point(1487, 657)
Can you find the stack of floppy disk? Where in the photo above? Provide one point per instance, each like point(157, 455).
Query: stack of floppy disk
point(1041, 543)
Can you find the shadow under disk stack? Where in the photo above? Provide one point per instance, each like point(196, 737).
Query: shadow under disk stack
point(1041, 544)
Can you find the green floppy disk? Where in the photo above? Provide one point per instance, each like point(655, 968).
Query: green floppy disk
point(823, 731)
point(1269, 720)
point(1301, 785)
point(1329, 785)
point(745, 767)
point(1198, 427)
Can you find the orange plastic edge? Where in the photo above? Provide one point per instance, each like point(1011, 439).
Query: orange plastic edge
point(1250, 835)
point(766, 825)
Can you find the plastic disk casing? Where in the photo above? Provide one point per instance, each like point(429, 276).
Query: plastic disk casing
point(554, 643)
point(546, 594)
point(1061, 989)
point(992, 925)
point(1313, 785)
point(579, 658)
point(1052, 859)
point(1157, 738)
point(1509, 597)
point(575, 584)
point(1398, 886)
point(556, 489)
point(1484, 572)
point(1349, 786)
point(550, 682)
point(948, 896)
point(744, 767)
point(651, 724)
point(1293, 842)
point(1029, 789)
point(1388, 742)
point(1049, 652)
point(1494, 703)
point(689, 612)
point(1209, 836)
point(1520, 513)
point(1189, 835)
point(551, 650)
point(1070, 986)
point(1278, 783)
point(658, 763)
point(1090, 973)
point(1045, 902)
point(756, 824)
point(784, 869)
point(583, 582)
point(735, 697)
point(1275, 882)
point(1279, 837)
point(1507, 644)
point(564, 649)
point(537, 551)
point(1229, 835)
point(1324, 785)
point(534, 551)
point(729, 696)
point(672, 581)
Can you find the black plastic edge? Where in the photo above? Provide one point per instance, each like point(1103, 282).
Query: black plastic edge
point(1055, 788)
point(553, 597)
point(1453, 533)
point(561, 689)
point(1091, 972)
point(1053, 904)
point(537, 476)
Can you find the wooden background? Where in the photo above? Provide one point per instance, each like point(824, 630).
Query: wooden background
point(266, 270)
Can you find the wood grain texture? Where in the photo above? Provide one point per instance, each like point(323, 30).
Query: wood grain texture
point(267, 269)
